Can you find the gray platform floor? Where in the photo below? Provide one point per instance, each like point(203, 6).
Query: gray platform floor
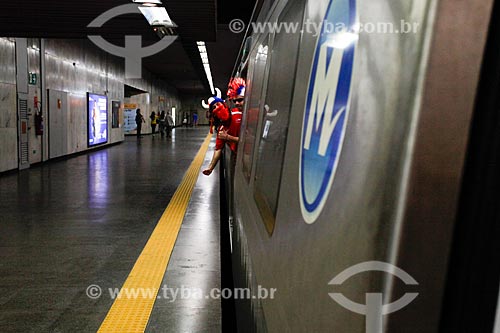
point(83, 221)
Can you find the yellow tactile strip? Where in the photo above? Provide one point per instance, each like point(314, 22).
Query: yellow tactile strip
point(132, 314)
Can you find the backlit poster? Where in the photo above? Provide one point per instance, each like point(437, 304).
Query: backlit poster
point(97, 119)
point(129, 112)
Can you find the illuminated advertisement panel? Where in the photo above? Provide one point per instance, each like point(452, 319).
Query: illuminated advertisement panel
point(97, 107)
point(129, 113)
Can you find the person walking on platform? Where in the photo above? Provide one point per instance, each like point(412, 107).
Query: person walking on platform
point(139, 119)
point(153, 121)
point(227, 122)
point(161, 123)
point(195, 119)
point(170, 125)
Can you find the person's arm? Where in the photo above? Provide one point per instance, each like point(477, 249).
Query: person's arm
point(224, 136)
point(213, 162)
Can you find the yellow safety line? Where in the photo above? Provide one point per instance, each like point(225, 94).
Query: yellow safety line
point(131, 314)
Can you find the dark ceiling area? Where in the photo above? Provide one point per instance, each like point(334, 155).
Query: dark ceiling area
point(179, 64)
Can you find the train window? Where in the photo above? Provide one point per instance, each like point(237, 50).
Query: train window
point(276, 115)
point(259, 59)
point(266, 10)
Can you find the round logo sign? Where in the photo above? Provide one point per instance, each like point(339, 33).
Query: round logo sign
point(327, 106)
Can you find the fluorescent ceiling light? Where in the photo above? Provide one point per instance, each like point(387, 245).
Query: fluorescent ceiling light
point(148, 3)
point(157, 16)
point(206, 65)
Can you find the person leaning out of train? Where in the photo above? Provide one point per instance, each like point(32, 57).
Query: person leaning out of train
point(217, 108)
point(227, 123)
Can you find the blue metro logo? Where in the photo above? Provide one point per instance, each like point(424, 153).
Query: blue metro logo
point(326, 110)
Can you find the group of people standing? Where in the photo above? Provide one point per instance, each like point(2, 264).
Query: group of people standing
point(163, 120)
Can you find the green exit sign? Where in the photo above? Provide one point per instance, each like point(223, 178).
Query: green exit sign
point(32, 78)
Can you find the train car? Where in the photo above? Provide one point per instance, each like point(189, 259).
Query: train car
point(347, 196)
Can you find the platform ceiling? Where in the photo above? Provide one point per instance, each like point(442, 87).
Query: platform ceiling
point(179, 64)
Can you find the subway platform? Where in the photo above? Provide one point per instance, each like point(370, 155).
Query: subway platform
point(75, 231)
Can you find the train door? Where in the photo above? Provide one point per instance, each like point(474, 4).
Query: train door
point(275, 116)
point(58, 123)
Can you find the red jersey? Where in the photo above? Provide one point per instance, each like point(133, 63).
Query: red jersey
point(232, 126)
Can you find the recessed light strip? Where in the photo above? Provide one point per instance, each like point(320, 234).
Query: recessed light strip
point(149, 3)
point(206, 65)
